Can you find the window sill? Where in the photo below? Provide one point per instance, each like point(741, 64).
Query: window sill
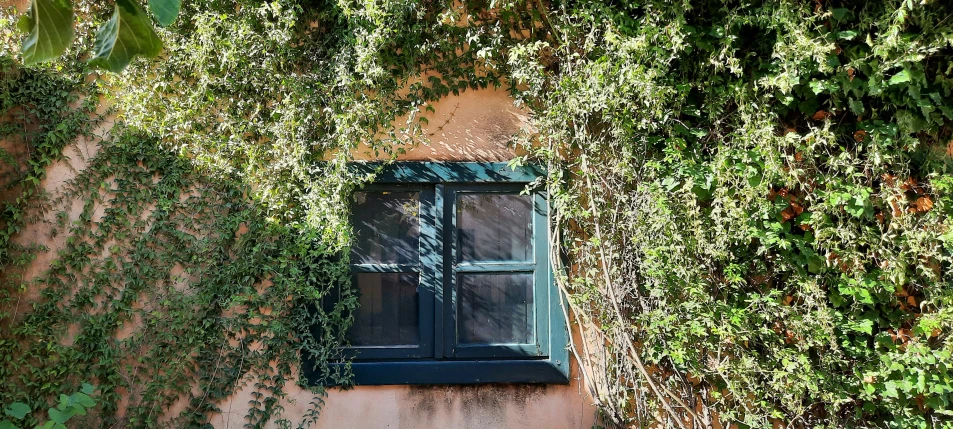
point(542, 371)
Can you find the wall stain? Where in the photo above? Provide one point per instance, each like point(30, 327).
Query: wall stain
point(480, 406)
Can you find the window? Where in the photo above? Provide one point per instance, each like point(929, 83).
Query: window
point(450, 265)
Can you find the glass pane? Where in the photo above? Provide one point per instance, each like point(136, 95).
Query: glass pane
point(388, 310)
point(495, 308)
point(495, 227)
point(387, 228)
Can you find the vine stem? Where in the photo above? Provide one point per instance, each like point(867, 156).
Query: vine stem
point(568, 307)
point(636, 359)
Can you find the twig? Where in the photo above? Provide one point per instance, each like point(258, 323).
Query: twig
point(635, 358)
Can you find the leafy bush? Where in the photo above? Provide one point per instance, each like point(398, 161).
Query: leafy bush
point(758, 196)
point(753, 199)
point(69, 406)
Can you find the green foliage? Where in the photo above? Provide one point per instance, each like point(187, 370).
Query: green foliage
point(755, 200)
point(41, 117)
point(69, 406)
point(126, 35)
point(160, 262)
point(165, 11)
point(767, 186)
point(49, 28)
point(129, 33)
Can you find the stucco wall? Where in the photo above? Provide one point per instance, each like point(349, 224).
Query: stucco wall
point(404, 407)
point(474, 126)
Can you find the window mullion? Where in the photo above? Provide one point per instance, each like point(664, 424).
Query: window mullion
point(495, 267)
point(448, 237)
point(427, 287)
point(436, 271)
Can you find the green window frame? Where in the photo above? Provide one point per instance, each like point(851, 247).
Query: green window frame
point(441, 356)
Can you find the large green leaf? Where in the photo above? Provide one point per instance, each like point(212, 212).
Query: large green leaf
point(50, 27)
point(128, 33)
point(165, 10)
point(902, 77)
point(17, 410)
point(60, 416)
point(83, 399)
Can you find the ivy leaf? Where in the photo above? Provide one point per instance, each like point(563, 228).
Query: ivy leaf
point(856, 106)
point(49, 24)
point(165, 11)
point(83, 399)
point(87, 388)
point(65, 401)
point(857, 205)
point(17, 410)
point(903, 76)
point(128, 33)
point(78, 410)
point(60, 416)
point(846, 35)
point(6, 424)
point(864, 326)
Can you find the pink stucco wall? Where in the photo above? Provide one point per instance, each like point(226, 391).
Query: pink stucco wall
point(474, 126)
point(406, 407)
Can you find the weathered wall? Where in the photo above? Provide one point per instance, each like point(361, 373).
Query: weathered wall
point(402, 407)
point(474, 126)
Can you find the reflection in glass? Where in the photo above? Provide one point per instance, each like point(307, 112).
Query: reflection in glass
point(494, 227)
point(387, 228)
point(495, 308)
point(388, 311)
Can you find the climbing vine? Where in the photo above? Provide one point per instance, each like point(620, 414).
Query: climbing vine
point(753, 200)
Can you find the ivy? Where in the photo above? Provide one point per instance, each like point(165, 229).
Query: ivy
point(757, 195)
point(754, 200)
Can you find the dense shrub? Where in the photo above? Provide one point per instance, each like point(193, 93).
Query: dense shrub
point(753, 198)
point(757, 195)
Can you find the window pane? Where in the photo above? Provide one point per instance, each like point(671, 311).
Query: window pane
point(387, 228)
point(494, 227)
point(388, 311)
point(495, 308)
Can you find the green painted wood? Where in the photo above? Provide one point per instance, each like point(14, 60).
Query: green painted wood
point(425, 288)
point(440, 261)
point(448, 172)
point(539, 267)
point(546, 360)
point(542, 279)
point(387, 268)
point(494, 267)
point(428, 372)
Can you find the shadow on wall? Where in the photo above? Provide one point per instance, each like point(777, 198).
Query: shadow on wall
point(485, 406)
point(473, 126)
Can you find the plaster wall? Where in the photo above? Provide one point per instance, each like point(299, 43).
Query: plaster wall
point(465, 407)
point(474, 126)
